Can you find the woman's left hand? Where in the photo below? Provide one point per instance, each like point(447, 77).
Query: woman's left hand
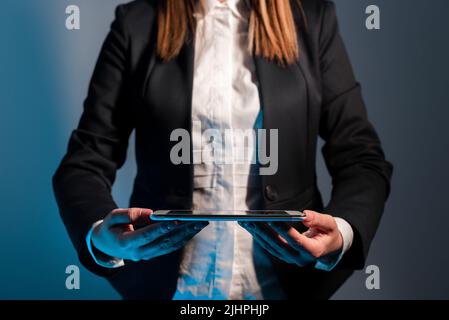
point(288, 244)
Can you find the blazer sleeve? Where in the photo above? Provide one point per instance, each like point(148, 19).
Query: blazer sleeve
point(352, 150)
point(98, 146)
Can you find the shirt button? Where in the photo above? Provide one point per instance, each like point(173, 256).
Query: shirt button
point(271, 193)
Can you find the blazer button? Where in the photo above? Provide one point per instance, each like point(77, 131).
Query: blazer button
point(271, 193)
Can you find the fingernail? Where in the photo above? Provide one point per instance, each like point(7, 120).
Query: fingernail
point(308, 214)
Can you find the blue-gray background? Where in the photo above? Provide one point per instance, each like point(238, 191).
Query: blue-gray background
point(44, 72)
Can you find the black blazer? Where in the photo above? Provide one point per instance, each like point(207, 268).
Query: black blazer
point(131, 89)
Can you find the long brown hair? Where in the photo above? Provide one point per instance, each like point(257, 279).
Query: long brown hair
point(271, 35)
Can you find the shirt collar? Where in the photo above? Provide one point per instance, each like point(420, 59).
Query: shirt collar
point(234, 5)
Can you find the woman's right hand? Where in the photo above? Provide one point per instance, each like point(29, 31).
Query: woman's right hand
point(128, 234)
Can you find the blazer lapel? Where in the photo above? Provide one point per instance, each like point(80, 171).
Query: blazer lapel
point(283, 95)
point(284, 101)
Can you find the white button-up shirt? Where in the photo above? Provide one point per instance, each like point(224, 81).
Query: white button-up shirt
point(222, 261)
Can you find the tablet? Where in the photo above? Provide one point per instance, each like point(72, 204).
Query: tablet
point(228, 215)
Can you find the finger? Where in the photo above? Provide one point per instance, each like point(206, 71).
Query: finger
point(312, 232)
point(180, 234)
point(300, 258)
point(171, 241)
point(287, 233)
point(126, 216)
point(262, 242)
point(299, 241)
point(271, 238)
point(320, 221)
point(265, 245)
point(154, 251)
point(295, 252)
point(152, 232)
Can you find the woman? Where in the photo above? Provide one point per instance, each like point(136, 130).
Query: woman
point(223, 64)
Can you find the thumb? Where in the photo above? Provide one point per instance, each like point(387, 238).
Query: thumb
point(318, 220)
point(128, 216)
